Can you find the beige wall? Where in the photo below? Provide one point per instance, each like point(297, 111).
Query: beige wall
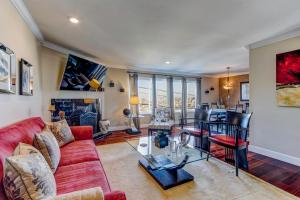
point(113, 101)
point(234, 92)
point(206, 84)
point(16, 35)
point(272, 127)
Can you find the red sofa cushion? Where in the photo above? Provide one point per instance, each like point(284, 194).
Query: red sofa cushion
point(77, 152)
point(81, 176)
point(228, 140)
point(196, 131)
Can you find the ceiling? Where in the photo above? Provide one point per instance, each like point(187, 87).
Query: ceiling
point(197, 36)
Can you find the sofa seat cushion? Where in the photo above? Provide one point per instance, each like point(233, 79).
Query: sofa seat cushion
point(77, 152)
point(81, 176)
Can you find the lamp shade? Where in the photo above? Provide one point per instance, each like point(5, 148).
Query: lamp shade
point(94, 84)
point(51, 108)
point(134, 100)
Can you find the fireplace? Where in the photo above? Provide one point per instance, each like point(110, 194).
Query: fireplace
point(78, 112)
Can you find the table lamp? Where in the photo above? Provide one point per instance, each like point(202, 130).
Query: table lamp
point(51, 109)
point(134, 101)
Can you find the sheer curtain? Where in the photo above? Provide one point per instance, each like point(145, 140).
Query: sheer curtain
point(133, 83)
point(198, 99)
point(171, 97)
point(154, 94)
point(184, 100)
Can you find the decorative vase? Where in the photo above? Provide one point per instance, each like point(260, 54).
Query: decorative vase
point(161, 140)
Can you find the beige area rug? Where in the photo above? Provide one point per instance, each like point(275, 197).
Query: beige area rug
point(214, 180)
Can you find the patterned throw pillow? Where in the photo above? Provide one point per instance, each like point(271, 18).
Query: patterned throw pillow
point(61, 131)
point(25, 149)
point(48, 146)
point(28, 177)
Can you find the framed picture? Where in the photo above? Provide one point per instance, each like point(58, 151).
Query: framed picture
point(26, 78)
point(244, 91)
point(7, 70)
point(288, 79)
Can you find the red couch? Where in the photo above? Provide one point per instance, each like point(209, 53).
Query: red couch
point(80, 166)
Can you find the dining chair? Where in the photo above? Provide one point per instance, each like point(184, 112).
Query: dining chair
point(247, 108)
point(222, 106)
point(235, 136)
point(200, 129)
point(205, 106)
point(214, 105)
point(239, 108)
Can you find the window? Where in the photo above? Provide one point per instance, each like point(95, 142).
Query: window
point(191, 94)
point(244, 91)
point(145, 94)
point(162, 93)
point(177, 89)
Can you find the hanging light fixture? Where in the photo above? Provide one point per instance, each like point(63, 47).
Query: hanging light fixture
point(228, 84)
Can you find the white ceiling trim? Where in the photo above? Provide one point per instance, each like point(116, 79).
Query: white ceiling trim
point(277, 38)
point(222, 75)
point(67, 51)
point(25, 14)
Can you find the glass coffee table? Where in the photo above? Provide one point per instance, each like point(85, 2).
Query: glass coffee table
point(166, 164)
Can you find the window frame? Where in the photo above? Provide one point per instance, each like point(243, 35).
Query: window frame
point(167, 91)
point(181, 92)
point(150, 95)
point(187, 108)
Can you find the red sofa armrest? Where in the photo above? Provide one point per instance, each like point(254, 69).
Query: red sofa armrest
point(115, 195)
point(82, 132)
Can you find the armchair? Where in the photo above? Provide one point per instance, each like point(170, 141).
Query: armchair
point(235, 137)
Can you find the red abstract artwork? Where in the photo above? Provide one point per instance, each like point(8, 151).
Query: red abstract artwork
point(288, 78)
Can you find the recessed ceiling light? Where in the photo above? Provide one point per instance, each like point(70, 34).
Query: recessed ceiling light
point(167, 62)
point(74, 20)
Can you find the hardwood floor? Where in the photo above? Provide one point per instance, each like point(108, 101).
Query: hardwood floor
point(283, 175)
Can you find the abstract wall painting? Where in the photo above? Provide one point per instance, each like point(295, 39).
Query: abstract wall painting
point(7, 70)
point(26, 78)
point(288, 79)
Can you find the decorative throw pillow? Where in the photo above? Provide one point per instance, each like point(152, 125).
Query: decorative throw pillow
point(28, 177)
point(48, 146)
point(61, 131)
point(24, 149)
point(86, 194)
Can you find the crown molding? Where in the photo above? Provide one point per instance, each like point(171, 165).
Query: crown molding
point(67, 51)
point(161, 72)
point(222, 75)
point(277, 38)
point(25, 14)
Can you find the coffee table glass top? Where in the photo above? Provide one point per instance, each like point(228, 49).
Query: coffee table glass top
point(166, 157)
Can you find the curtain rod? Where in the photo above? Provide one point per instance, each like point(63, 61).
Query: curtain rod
point(156, 74)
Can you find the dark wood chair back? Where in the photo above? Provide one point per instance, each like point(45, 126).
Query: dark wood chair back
point(241, 121)
point(214, 105)
point(247, 108)
point(239, 108)
point(200, 116)
point(205, 106)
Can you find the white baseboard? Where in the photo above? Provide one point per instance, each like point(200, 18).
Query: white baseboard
point(118, 128)
point(276, 155)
